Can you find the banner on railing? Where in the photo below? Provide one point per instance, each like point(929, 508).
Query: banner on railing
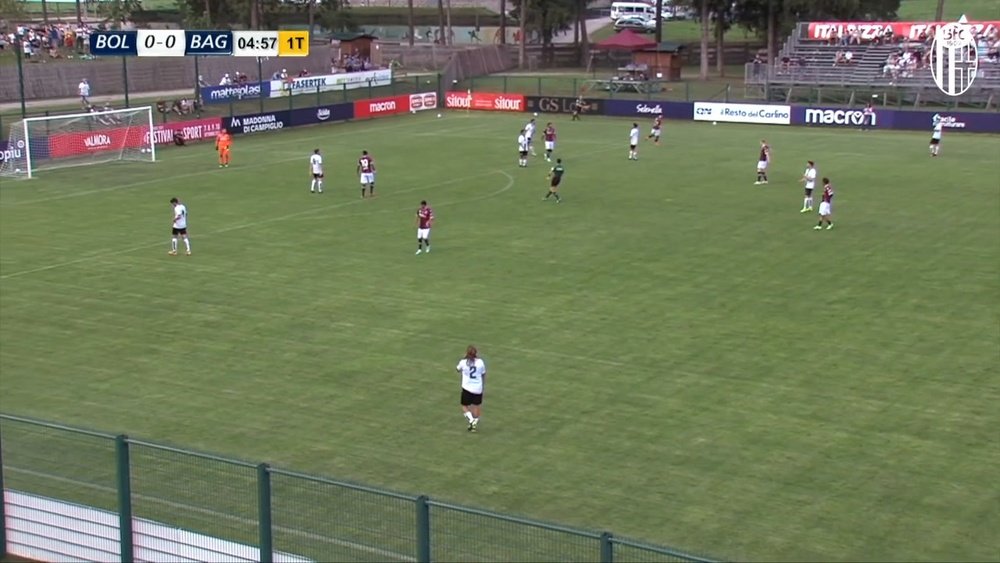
point(11, 152)
point(330, 82)
point(484, 101)
point(835, 117)
point(765, 114)
point(381, 106)
point(650, 109)
point(194, 130)
point(423, 101)
point(235, 92)
point(563, 104)
point(966, 121)
point(872, 30)
point(321, 114)
point(87, 142)
point(257, 122)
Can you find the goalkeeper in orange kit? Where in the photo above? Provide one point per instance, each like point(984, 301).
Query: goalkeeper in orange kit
point(223, 142)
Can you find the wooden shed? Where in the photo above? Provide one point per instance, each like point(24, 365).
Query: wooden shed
point(346, 47)
point(664, 60)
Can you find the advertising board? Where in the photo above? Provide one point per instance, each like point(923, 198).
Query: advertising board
point(871, 30)
point(650, 109)
point(321, 114)
point(257, 122)
point(194, 130)
point(484, 101)
point(563, 104)
point(762, 114)
point(965, 121)
point(329, 83)
point(235, 93)
point(423, 101)
point(378, 107)
point(86, 142)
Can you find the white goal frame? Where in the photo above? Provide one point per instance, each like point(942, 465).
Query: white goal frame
point(28, 121)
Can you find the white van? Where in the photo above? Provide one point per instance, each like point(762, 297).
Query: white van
point(622, 9)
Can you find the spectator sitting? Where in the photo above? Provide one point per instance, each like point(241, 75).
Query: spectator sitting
point(226, 81)
point(855, 36)
point(848, 57)
point(179, 138)
point(276, 75)
point(303, 73)
point(838, 58)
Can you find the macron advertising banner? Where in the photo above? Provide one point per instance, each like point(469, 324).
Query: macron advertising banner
point(194, 130)
point(484, 101)
point(966, 121)
point(235, 93)
point(761, 114)
point(871, 30)
point(564, 104)
point(257, 122)
point(329, 83)
point(378, 107)
point(321, 114)
point(634, 108)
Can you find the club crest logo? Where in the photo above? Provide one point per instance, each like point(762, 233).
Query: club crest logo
point(954, 60)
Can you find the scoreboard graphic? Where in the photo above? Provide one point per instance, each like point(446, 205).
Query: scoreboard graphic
point(181, 43)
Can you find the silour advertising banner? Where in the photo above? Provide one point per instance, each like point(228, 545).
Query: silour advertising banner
point(484, 101)
point(871, 30)
point(86, 142)
point(236, 92)
point(423, 101)
point(257, 122)
point(381, 106)
point(321, 114)
point(763, 114)
point(965, 121)
point(634, 108)
point(560, 104)
point(330, 82)
point(194, 130)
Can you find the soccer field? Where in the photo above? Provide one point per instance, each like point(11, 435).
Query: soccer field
point(675, 354)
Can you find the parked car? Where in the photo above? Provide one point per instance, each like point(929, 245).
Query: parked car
point(636, 23)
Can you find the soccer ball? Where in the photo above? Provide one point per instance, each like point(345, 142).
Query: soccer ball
point(715, 123)
point(439, 116)
point(17, 170)
point(536, 114)
point(413, 111)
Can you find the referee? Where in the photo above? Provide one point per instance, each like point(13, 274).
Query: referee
point(473, 371)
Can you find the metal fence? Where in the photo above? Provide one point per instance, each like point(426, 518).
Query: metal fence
point(275, 510)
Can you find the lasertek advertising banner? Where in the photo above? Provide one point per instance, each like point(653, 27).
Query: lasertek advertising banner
point(484, 101)
point(964, 121)
point(381, 106)
point(763, 114)
point(257, 122)
point(562, 104)
point(330, 82)
point(86, 142)
point(871, 30)
point(632, 108)
point(321, 114)
point(423, 101)
point(194, 130)
point(236, 92)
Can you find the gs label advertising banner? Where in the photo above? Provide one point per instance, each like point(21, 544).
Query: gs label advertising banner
point(563, 104)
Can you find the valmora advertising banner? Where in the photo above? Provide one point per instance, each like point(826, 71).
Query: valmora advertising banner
point(561, 104)
point(871, 30)
point(485, 101)
point(194, 130)
point(381, 106)
point(330, 83)
point(88, 142)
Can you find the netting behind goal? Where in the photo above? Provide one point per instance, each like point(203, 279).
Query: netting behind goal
point(46, 143)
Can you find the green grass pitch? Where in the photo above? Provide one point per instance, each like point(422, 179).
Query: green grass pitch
point(675, 354)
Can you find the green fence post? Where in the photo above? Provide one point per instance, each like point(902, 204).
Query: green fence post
point(423, 530)
point(20, 78)
point(539, 86)
point(125, 78)
point(319, 95)
point(260, 78)
point(3, 507)
point(264, 519)
point(124, 499)
point(607, 548)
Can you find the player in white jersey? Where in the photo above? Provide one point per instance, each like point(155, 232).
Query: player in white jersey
point(633, 142)
point(936, 135)
point(522, 149)
point(180, 227)
point(809, 178)
point(473, 371)
point(529, 133)
point(316, 169)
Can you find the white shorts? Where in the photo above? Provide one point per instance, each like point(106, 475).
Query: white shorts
point(824, 208)
point(424, 233)
point(655, 133)
point(762, 165)
point(368, 178)
point(550, 145)
point(810, 185)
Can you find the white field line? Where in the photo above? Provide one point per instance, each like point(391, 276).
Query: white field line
point(223, 515)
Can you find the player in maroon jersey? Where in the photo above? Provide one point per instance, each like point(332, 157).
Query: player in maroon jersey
point(550, 140)
point(826, 206)
point(366, 168)
point(425, 218)
point(657, 127)
point(762, 162)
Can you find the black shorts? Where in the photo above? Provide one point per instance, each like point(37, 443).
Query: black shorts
point(935, 141)
point(469, 398)
point(555, 181)
point(318, 176)
point(809, 192)
point(631, 147)
point(175, 231)
point(523, 153)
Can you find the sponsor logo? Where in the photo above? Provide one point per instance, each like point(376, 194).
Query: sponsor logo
point(381, 107)
point(645, 109)
point(562, 105)
point(836, 117)
point(743, 113)
point(328, 82)
point(871, 30)
point(951, 122)
point(954, 59)
point(256, 123)
point(485, 101)
point(322, 114)
point(504, 103)
point(97, 141)
point(423, 101)
point(194, 130)
point(8, 152)
point(458, 100)
point(702, 111)
point(242, 91)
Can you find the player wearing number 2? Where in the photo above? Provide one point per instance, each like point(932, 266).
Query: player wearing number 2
point(473, 371)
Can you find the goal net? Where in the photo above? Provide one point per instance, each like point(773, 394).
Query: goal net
point(46, 143)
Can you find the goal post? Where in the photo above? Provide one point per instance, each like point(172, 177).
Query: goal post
point(47, 143)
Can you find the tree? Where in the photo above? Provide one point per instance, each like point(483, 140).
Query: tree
point(704, 17)
point(546, 18)
point(118, 10)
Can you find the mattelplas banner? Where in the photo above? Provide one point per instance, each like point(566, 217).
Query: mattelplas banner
point(236, 92)
point(765, 114)
point(330, 82)
point(485, 101)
